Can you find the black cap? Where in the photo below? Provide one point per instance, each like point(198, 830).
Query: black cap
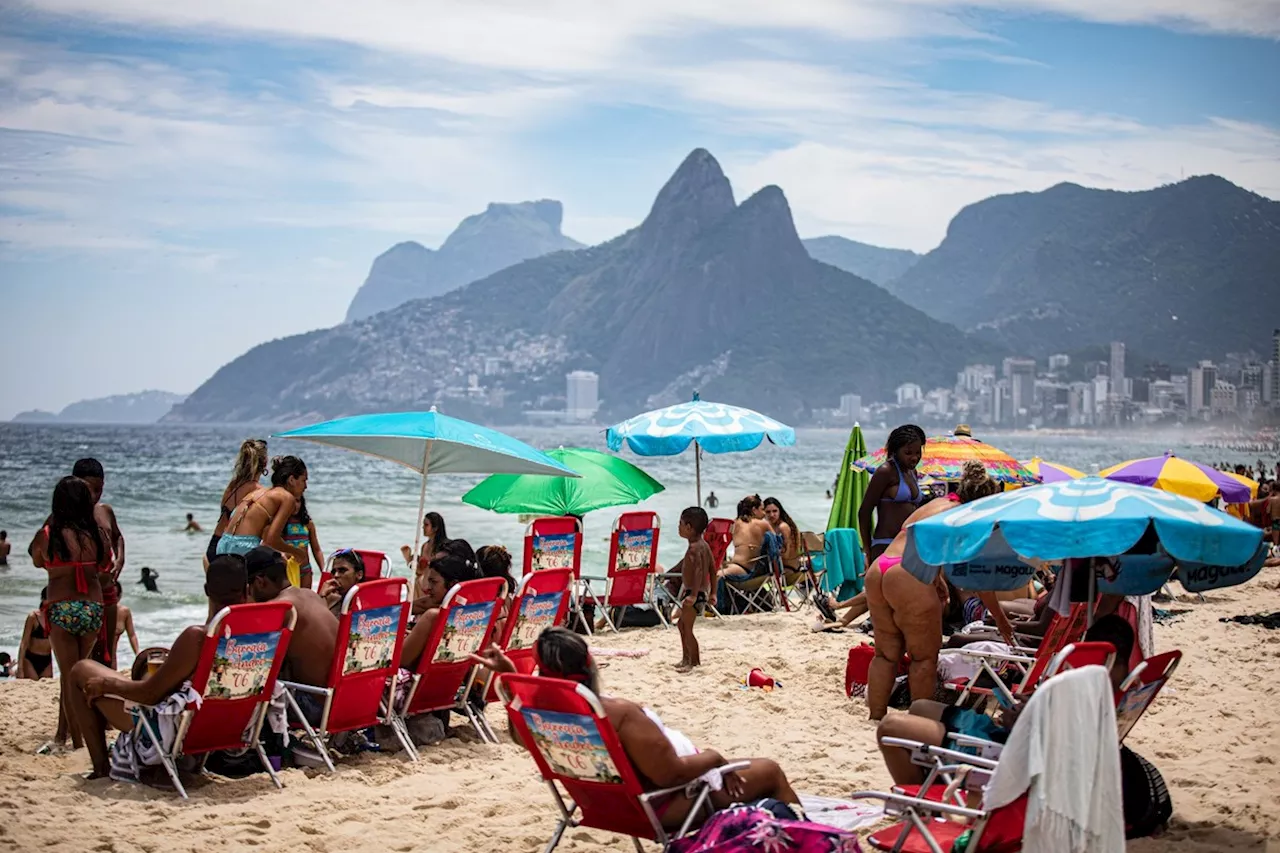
point(264, 561)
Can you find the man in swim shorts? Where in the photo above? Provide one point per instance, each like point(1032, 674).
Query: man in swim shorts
point(90, 470)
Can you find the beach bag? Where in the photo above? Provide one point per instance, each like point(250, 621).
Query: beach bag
point(1147, 805)
point(856, 668)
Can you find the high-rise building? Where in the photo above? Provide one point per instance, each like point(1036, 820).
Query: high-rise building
point(1021, 375)
point(1059, 361)
point(1117, 368)
point(1274, 384)
point(909, 393)
point(1268, 377)
point(581, 395)
point(850, 407)
point(1203, 378)
point(1222, 398)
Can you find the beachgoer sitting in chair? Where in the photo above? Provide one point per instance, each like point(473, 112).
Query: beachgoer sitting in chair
point(663, 757)
point(98, 694)
point(748, 532)
point(347, 571)
point(447, 569)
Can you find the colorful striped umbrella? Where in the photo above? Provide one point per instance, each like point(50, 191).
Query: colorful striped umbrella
point(945, 456)
point(1180, 476)
point(1052, 472)
point(1251, 485)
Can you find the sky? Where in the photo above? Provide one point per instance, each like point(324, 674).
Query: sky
point(180, 181)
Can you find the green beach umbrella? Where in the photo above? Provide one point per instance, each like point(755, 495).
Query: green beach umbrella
point(851, 485)
point(606, 480)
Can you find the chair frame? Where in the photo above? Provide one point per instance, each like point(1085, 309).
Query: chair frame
point(1032, 663)
point(320, 734)
point(569, 811)
point(644, 520)
point(199, 682)
point(455, 673)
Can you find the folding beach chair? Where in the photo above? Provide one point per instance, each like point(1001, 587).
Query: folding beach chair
point(376, 565)
point(243, 649)
point(366, 658)
point(633, 559)
point(1140, 689)
point(812, 568)
point(578, 753)
point(932, 820)
point(541, 601)
point(464, 627)
point(765, 581)
point(1030, 664)
point(555, 542)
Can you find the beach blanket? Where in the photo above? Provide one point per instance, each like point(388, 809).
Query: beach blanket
point(751, 828)
point(842, 557)
point(1262, 620)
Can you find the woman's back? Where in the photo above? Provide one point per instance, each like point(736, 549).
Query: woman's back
point(254, 513)
point(73, 570)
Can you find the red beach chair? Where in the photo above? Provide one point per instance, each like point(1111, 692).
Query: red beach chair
point(580, 757)
point(244, 646)
point(1062, 631)
point(1140, 689)
point(633, 559)
point(464, 627)
point(541, 601)
point(366, 659)
point(719, 535)
point(555, 542)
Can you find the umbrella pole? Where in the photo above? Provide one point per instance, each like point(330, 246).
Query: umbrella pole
point(697, 469)
point(422, 497)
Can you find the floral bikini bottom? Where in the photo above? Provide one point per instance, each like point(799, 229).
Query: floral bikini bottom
point(78, 618)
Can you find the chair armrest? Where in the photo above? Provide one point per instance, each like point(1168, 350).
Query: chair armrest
point(935, 806)
point(942, 752)
point(305, 688)
point(723, 768)
point(993, 656)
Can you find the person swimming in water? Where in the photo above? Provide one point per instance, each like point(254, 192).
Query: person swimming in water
point(193, 526)
point(148, 579)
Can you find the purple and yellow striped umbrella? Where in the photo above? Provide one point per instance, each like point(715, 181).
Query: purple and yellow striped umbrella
point(1180, 476)
point(1052, 472)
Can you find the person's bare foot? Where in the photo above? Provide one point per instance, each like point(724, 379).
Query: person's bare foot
point(94, 774)
point(684, 668)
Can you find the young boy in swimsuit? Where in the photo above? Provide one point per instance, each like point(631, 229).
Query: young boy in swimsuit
point(695, 570)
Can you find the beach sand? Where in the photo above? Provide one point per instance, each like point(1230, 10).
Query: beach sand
point(1214, 734)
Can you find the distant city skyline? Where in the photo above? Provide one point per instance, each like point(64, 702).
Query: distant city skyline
point(183, 181)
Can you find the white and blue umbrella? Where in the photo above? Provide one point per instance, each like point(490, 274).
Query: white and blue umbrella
point(713, 427)
point(1149, 535)
point(431, 442)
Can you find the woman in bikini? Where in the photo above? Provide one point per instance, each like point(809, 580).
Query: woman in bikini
point(662, 757)
point(906, 614)
point(73, 549)
point(300, 532)
point(35, 654)
point(251, 464)
point(893, 492)
point(784, 526)
point(260, 518)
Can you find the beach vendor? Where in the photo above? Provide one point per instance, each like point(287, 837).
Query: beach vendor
point(663, 757)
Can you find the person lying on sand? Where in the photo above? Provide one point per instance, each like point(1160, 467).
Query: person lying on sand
point(314, 636)
point(98, 693)
point(663, 757)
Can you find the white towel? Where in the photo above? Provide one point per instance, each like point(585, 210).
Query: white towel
point(684, 747)
point(1063, 753)
point(1146, 623)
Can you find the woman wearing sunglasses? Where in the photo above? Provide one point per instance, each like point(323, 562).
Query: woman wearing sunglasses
point(348, 570)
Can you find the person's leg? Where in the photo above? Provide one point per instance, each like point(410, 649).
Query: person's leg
point(109, 633)
point(762, 777)
point(918, 614)
point(92, 718)
point(68, 650)
point(921, 725)
point(684, 626)
point(1023, 607)
point(889, 644)
point(695, 651)
point(857, 606)
point(26, 669)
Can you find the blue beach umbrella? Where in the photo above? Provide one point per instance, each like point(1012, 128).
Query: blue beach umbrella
point(431, 442)
point(713, 427)
point(985, 545)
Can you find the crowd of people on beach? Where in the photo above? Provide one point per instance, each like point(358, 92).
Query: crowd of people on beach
point(264, 547)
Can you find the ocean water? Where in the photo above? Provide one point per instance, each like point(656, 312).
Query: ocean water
point(157, 474)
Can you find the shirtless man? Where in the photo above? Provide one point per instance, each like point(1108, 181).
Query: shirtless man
point(314, 636)
point(97, 691)
point(90, 470)
point(4, 547)
point(748, 532)
point(1272, 505)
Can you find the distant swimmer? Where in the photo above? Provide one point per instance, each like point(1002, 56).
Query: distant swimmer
point(4, 547)
point(193, 526)
point(148, 579)
point(712, 501)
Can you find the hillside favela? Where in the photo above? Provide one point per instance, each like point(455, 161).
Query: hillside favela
point(819, 427)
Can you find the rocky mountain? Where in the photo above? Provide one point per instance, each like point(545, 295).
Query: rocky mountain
point(875, 264)
point(144, 407)
point(705, 294)
point(1176, 272)
point(503, 235)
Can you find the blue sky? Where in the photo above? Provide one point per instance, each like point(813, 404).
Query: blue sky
point(181, 181)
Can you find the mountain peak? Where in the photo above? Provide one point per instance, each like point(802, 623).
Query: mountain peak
point(768, 214)
point(693, 199)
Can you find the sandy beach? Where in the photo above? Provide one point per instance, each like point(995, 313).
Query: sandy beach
point(1214, 734)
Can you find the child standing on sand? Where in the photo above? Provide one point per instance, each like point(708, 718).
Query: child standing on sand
point(695, 581)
